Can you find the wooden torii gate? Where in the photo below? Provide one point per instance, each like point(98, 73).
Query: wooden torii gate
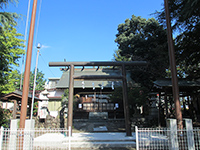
point(122, 77)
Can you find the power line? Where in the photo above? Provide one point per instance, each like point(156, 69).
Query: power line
point(38, 21)
point(25, 36)
point(26, 29)
point(47, 67)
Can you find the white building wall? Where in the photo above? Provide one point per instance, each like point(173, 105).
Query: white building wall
point(49, 92)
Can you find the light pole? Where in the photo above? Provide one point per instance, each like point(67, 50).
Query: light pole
point(34, 85)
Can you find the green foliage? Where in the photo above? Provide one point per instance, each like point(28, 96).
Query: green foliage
point(35, 108)
point(5, 17)
point(5, 3)
point(118, 57)
point(11, 50)
point(117, 95)
point(14, 77)
point(185, 15)
point(4, 117)
point(12, 83)
point(65, 98)
point(8, 19)
point(139, 39)
point(40, 81)
point(137, 96)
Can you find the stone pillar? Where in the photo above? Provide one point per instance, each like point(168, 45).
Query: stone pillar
point(190, 134)
point(29, 134)
point(13, 134)
point(1, 137)
point(172, 125)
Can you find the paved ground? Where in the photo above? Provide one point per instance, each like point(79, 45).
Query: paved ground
point(93, 135)
point(103, 131)
point(86, 140)
point(86, 125)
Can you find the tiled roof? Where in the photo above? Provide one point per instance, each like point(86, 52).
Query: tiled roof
point(181, 83)
point(64, 81)
point(16, 95)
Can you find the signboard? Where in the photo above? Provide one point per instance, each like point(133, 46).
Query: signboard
point(43, 113)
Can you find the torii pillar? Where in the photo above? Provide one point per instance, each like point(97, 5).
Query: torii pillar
point(70, 101)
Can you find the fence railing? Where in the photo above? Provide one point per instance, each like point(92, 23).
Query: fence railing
point(146, 139)
point(167, 139)
point(37, 139)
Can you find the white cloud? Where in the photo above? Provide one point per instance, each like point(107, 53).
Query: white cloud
point(45, 46)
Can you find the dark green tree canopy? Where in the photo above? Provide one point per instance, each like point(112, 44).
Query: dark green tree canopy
point(185, 16)
point(11, 45)
point(137, 96)
point(7, 18)
point(146, 40)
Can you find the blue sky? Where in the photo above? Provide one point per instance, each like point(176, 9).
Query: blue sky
point(79, 30)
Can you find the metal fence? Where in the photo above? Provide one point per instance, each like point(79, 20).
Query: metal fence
point(167, 139)
point(37, 139)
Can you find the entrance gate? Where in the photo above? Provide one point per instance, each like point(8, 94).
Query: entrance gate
point(122, 77)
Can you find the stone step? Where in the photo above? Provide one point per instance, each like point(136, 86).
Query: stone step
point(102, 144)
point(86, 140)
point(97, 140)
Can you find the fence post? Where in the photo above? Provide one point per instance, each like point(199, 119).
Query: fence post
point(190, 134)
point(29, 134)
point(137, 139)
point(69, 137)
point(171, 123)
point(13, 134)
point(1, 137)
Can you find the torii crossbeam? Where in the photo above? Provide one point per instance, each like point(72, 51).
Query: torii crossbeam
point(121, 64)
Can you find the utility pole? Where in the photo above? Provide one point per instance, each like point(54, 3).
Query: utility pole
point(27, 68)
point(172, 59)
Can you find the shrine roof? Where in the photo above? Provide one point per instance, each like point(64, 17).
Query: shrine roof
point(16, 95)
point(181, 83)
point(185, 86)
point(64, 80)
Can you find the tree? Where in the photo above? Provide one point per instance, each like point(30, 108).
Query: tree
point(65, 97)
point(35, 109)
point(4, 117)
point(5, 17)
point(12, 82)
point(139, 39)
point(11, 50)
point(185, 15)
point(137, 96)
point(118, 57)
point(10, 44)
point(14, 77)
point(40, 81)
